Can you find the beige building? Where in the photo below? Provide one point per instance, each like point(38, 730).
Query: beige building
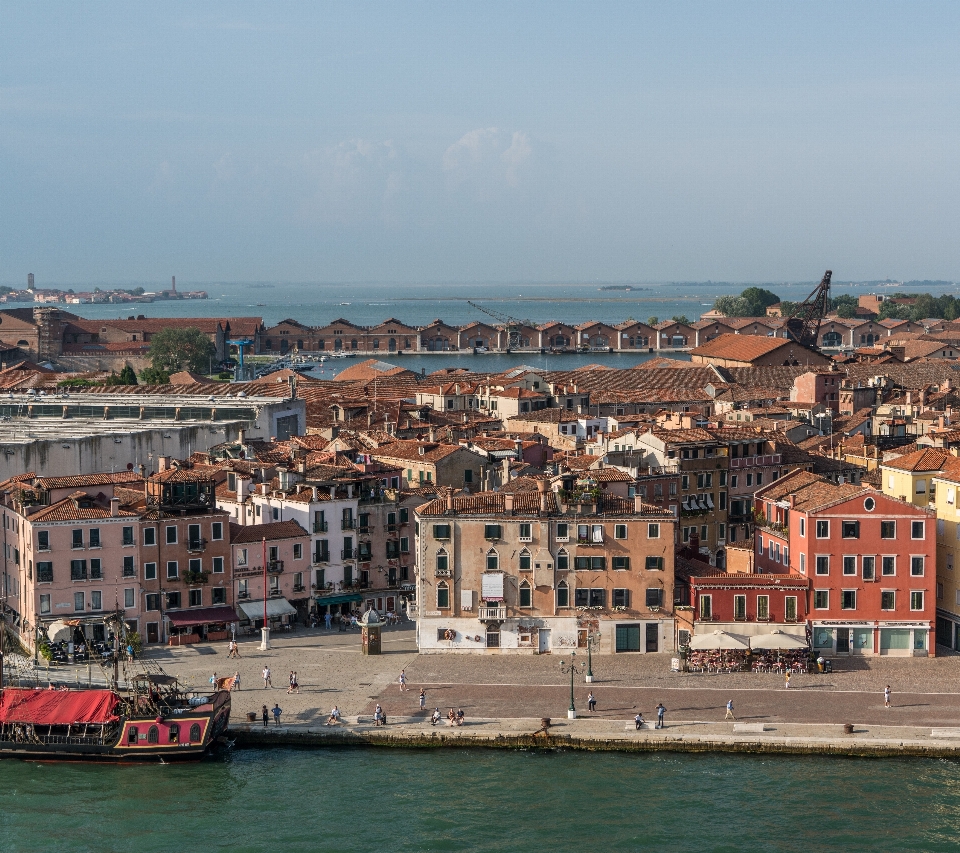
point(527, 573)
point(427, 462)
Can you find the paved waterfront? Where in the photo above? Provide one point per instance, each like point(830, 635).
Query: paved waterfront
point(501, 688)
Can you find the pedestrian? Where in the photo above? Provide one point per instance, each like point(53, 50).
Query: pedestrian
point(729, 714)
point(638, 720)
point(266, 678)
point(886, 696)
point(234, 650)
point(786, 680)
point(377, 714)
point(660, 712)
point(327, 619)
point(591, 702)
point(291, 682)
point(213, 680)
point(403, 680)
point(820, 663)
point(459, 716)
point(277, 711)
point(435, 718)
point(130, 651)
point(266, 716)
point(423, 698)
point(236, 681)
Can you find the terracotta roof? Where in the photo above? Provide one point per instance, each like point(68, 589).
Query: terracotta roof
point(87, 480)
point(927, 459)
point(72, 509)
point(410, 451)
point(273, 531)
point(742, 347)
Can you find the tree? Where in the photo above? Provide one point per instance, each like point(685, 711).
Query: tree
point(759, 299)
point(845, 311)
point(155, 376)
point(181, 349)
point(124, 377)
point(732, 306)
point(680, 318)
point(652, 321)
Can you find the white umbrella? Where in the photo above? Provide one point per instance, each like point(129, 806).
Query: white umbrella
point(778, 640)
point(719, 640)
point(58, 631)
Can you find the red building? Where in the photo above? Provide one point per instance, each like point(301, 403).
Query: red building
point(869, 560)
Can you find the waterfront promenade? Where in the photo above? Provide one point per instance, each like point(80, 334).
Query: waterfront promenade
point(504, 696)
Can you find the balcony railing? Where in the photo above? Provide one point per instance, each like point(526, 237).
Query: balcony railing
point(364, 556)
point(320, 527)
point(197, 577)
point(392, 528)
point(322, 557)
point(349, 554)
point(443, 573)
point(275, 567)
point(364, 529)
point(348, 524)
point(195, 546)
point(755, 461)
point(491, 614)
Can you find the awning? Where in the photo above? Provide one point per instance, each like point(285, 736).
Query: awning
point(276, 607)
point(347, 598)
point(57, 707)
point(201, 616)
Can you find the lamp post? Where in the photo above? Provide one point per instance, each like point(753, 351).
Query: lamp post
point(591, 639)
point(573, 669)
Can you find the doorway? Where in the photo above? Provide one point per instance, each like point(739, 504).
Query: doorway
point(493, 636)
point(543, 645)
point(153, 632)
point(843, 641)
point(653, 637)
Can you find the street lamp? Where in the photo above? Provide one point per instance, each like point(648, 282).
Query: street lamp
point(591, 639)
point(573, 669)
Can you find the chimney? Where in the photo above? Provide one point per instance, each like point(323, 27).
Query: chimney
point(314, 496)
point(242, 436)
point(542, 489)
point(163, 463)
point(292, 381)
point(114, 507)
point(793, 500)
point(506, 471)
point(450, 500)
point(694, 539)
point(433, 433)
point(241, 487)
point(173, 283)
point(508, 504)
point(637, 503)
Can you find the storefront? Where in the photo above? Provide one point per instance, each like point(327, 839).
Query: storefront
point(903, 639)
point(279, 613)
point(200, 623)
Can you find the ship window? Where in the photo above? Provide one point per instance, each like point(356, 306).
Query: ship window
point(174, 733)
point(132, 735)
point(195, 733)
point(153, 736)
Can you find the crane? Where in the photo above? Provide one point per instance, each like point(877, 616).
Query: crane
point(512, 325)
point(803, 324)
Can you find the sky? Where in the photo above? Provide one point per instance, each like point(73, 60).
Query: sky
point(471, 142)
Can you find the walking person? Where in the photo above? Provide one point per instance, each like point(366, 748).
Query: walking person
point(729, 715)
point(327, 619)
point(234, 650)
point(403, 680)
point(591, 702)
point(377, 715)
point(277, 711)
point(423, 699)
point(786, 681)
point(266, 716)
point(886, 696)
point(266, 677)
point(660, 712)
point(236, 681)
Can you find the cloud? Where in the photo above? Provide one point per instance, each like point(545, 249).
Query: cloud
point(487, 159)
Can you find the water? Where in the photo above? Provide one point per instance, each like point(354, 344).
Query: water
point(368, 304)
point(474, 800)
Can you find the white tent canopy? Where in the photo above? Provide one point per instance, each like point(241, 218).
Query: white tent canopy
point(59, 631)
point(778, 640)
point(719, 640)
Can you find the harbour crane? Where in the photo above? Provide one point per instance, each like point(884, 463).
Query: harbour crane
point(803, 324)
point(511, 325)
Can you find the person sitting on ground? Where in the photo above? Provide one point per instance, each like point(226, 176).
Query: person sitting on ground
point(451, 717)
point(334, 718)
point(459, 716)
point(638, 720)
point(435, 718)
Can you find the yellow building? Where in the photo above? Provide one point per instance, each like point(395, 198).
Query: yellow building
point(947, 484)
point(911, 477)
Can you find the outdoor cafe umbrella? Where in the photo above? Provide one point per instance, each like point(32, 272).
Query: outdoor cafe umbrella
point(60, 631)
point(777, 640)
point(719, 640)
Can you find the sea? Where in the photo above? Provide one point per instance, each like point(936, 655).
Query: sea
point(418, 304)
point(388, 801)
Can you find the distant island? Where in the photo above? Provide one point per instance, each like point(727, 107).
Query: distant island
point(619, 287)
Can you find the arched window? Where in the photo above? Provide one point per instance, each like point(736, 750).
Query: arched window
point(526, 595)
point(195, 733)
point(493, 635)
point(299, 344)
point(563, 594)
point(493, 560)
point(563, 560)
point(524, 560)
point(133, 735)
point(376, 343)
point(392, 345)
point(174, 733)
point(832, 339)
point(443, 595)
point(353, 343)
point(153, 735)
point(443, 561)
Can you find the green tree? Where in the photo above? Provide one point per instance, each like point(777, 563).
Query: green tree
point(127, 375)
point(181, 349)
point(652, 321)
point(154, 376)
point(845, 311)
point(731, 306)
point(759, 299)
point(680, 318)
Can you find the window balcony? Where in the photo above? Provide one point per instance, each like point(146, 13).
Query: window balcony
point(364, 529)
point(275, 567)
point(196, 546)
point(443, 573)
point(320, 527)
point(349, 554)
point(348, 524)
point(491, 614)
